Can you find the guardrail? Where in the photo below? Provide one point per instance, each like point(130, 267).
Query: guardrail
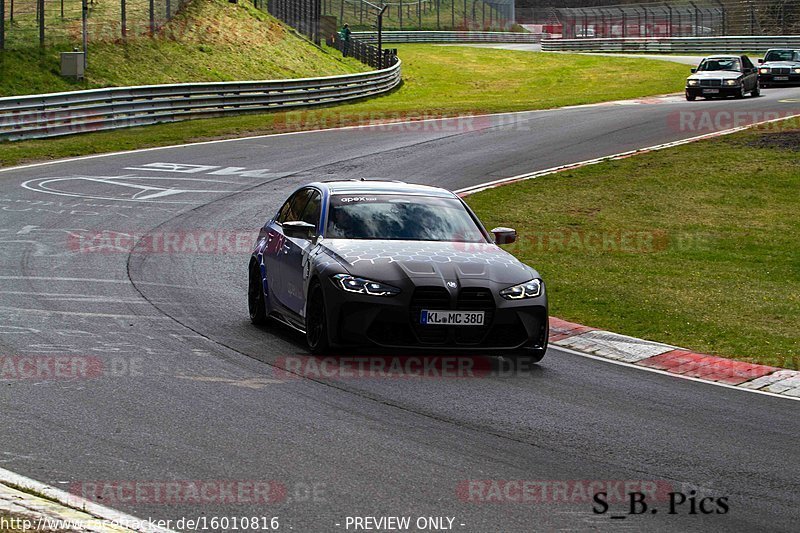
point(51, 115)
point(673, 44)
point(451, 37)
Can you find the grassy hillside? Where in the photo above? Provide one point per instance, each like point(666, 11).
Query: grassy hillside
point(209, 40)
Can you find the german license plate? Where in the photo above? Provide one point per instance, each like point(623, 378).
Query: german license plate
point(710, 91)
point(451, 318)
point(781, 78)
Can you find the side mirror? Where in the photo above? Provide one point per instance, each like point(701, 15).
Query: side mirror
point(297, 229)
point(760, 61)
point(694, 70)
point(504, 235)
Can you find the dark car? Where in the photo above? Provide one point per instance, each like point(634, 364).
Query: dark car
point(389, 265)
point(779, 67)
point(723, 75)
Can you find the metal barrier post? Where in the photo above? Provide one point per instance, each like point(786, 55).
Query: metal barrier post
point(124, 18)
point(40, 12)
point(84, 30)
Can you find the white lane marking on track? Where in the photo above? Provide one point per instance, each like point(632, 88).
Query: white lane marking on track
point(671, 374)
point(23, 310)
point(96, 280)
point(146, 193)
point(76, 502)
point(85, 298)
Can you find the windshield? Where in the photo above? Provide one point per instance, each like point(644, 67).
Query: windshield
point(782, 55)
point(401, 217)
point(710, 65)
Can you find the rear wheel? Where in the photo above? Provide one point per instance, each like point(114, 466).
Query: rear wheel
point(255, 296)
point(316, 321)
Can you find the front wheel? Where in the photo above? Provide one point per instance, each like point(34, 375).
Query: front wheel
point(740, 93)
point(255, 296)
point(757, 91)
point(691, 97)
point(316, 321)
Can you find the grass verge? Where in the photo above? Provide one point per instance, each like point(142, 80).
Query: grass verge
point(696, 246)
point(438, 81)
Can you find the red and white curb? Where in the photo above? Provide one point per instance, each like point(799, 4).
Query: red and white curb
point(26, 504)
point(674, 360)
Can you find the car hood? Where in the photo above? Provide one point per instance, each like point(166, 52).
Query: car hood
point(780, 64)
point(392, 261)
point(716, 75)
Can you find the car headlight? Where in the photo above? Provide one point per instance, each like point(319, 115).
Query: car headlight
point(731, 82)
point(763, 70)
point(796, 70)
point(529, 289)
point(691, 83)
point(350, 283)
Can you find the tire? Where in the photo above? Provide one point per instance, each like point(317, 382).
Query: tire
point(691, 97)
point(255, 296)
point(756, 92)
point(740, 94)
point(316, 321)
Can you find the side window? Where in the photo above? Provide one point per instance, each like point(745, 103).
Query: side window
point(293, 208)
point(312, 210)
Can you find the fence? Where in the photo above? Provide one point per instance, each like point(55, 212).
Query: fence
point(677, 18)
point(302, 15)
point(699, 45)
point(425, 14)
point(50, 115)
point(451, 36)
point(27, 23)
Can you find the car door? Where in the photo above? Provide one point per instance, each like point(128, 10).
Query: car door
point(294, 259)
point(278, 246)
point(750, 73)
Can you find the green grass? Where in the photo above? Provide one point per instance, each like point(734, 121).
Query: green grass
point(438, 81)
point(712, 257)
point(209, 40)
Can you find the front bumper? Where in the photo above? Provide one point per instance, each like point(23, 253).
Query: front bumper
point(711, 92)
point(779, 79)
point(393, 323)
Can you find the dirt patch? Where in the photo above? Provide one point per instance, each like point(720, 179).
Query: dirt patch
point(784, 140)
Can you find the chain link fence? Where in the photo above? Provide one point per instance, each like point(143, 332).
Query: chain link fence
point(680, 18)
point(27, 23)
point(480, 15)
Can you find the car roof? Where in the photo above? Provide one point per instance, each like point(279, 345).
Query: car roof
point(726, 56)
point(372, 186)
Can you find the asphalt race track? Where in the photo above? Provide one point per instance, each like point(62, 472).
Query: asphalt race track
point(188, 388)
